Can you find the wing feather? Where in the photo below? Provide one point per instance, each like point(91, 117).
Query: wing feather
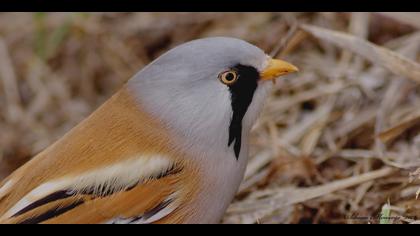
point(140, 202)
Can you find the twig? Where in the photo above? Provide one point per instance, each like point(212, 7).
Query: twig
point(394, 62)
point(285, 197)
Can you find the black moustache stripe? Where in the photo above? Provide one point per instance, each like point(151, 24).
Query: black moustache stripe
point(242, 93)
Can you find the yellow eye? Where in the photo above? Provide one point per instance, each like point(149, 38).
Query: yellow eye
point(228, 77)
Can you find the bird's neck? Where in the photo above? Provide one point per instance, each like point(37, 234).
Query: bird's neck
point(204, 137)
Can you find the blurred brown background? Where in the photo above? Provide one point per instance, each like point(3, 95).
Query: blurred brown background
point(339, 140)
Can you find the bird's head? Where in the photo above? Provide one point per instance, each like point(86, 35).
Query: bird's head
point(210, 91)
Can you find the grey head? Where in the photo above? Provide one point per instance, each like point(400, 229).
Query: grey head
point(209, 91)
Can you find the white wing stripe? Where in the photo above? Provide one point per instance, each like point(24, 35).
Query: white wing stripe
point(115, 177)
point(5, 188)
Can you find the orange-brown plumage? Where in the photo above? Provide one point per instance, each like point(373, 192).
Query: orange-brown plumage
point(116, 131)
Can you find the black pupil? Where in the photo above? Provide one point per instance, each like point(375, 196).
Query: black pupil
point(230, 76)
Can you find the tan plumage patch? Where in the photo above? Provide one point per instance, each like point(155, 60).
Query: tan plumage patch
point(5, 188)
point(118, 133)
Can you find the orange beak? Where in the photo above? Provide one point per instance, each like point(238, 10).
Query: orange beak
point(276, 68)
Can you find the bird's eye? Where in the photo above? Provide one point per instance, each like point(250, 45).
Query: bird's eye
point(228, 77)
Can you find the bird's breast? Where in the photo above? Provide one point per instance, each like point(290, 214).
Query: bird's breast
point(219, 182)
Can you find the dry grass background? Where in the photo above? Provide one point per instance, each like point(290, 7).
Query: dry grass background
point(336, 143)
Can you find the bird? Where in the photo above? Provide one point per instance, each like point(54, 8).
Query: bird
point(169, 147)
